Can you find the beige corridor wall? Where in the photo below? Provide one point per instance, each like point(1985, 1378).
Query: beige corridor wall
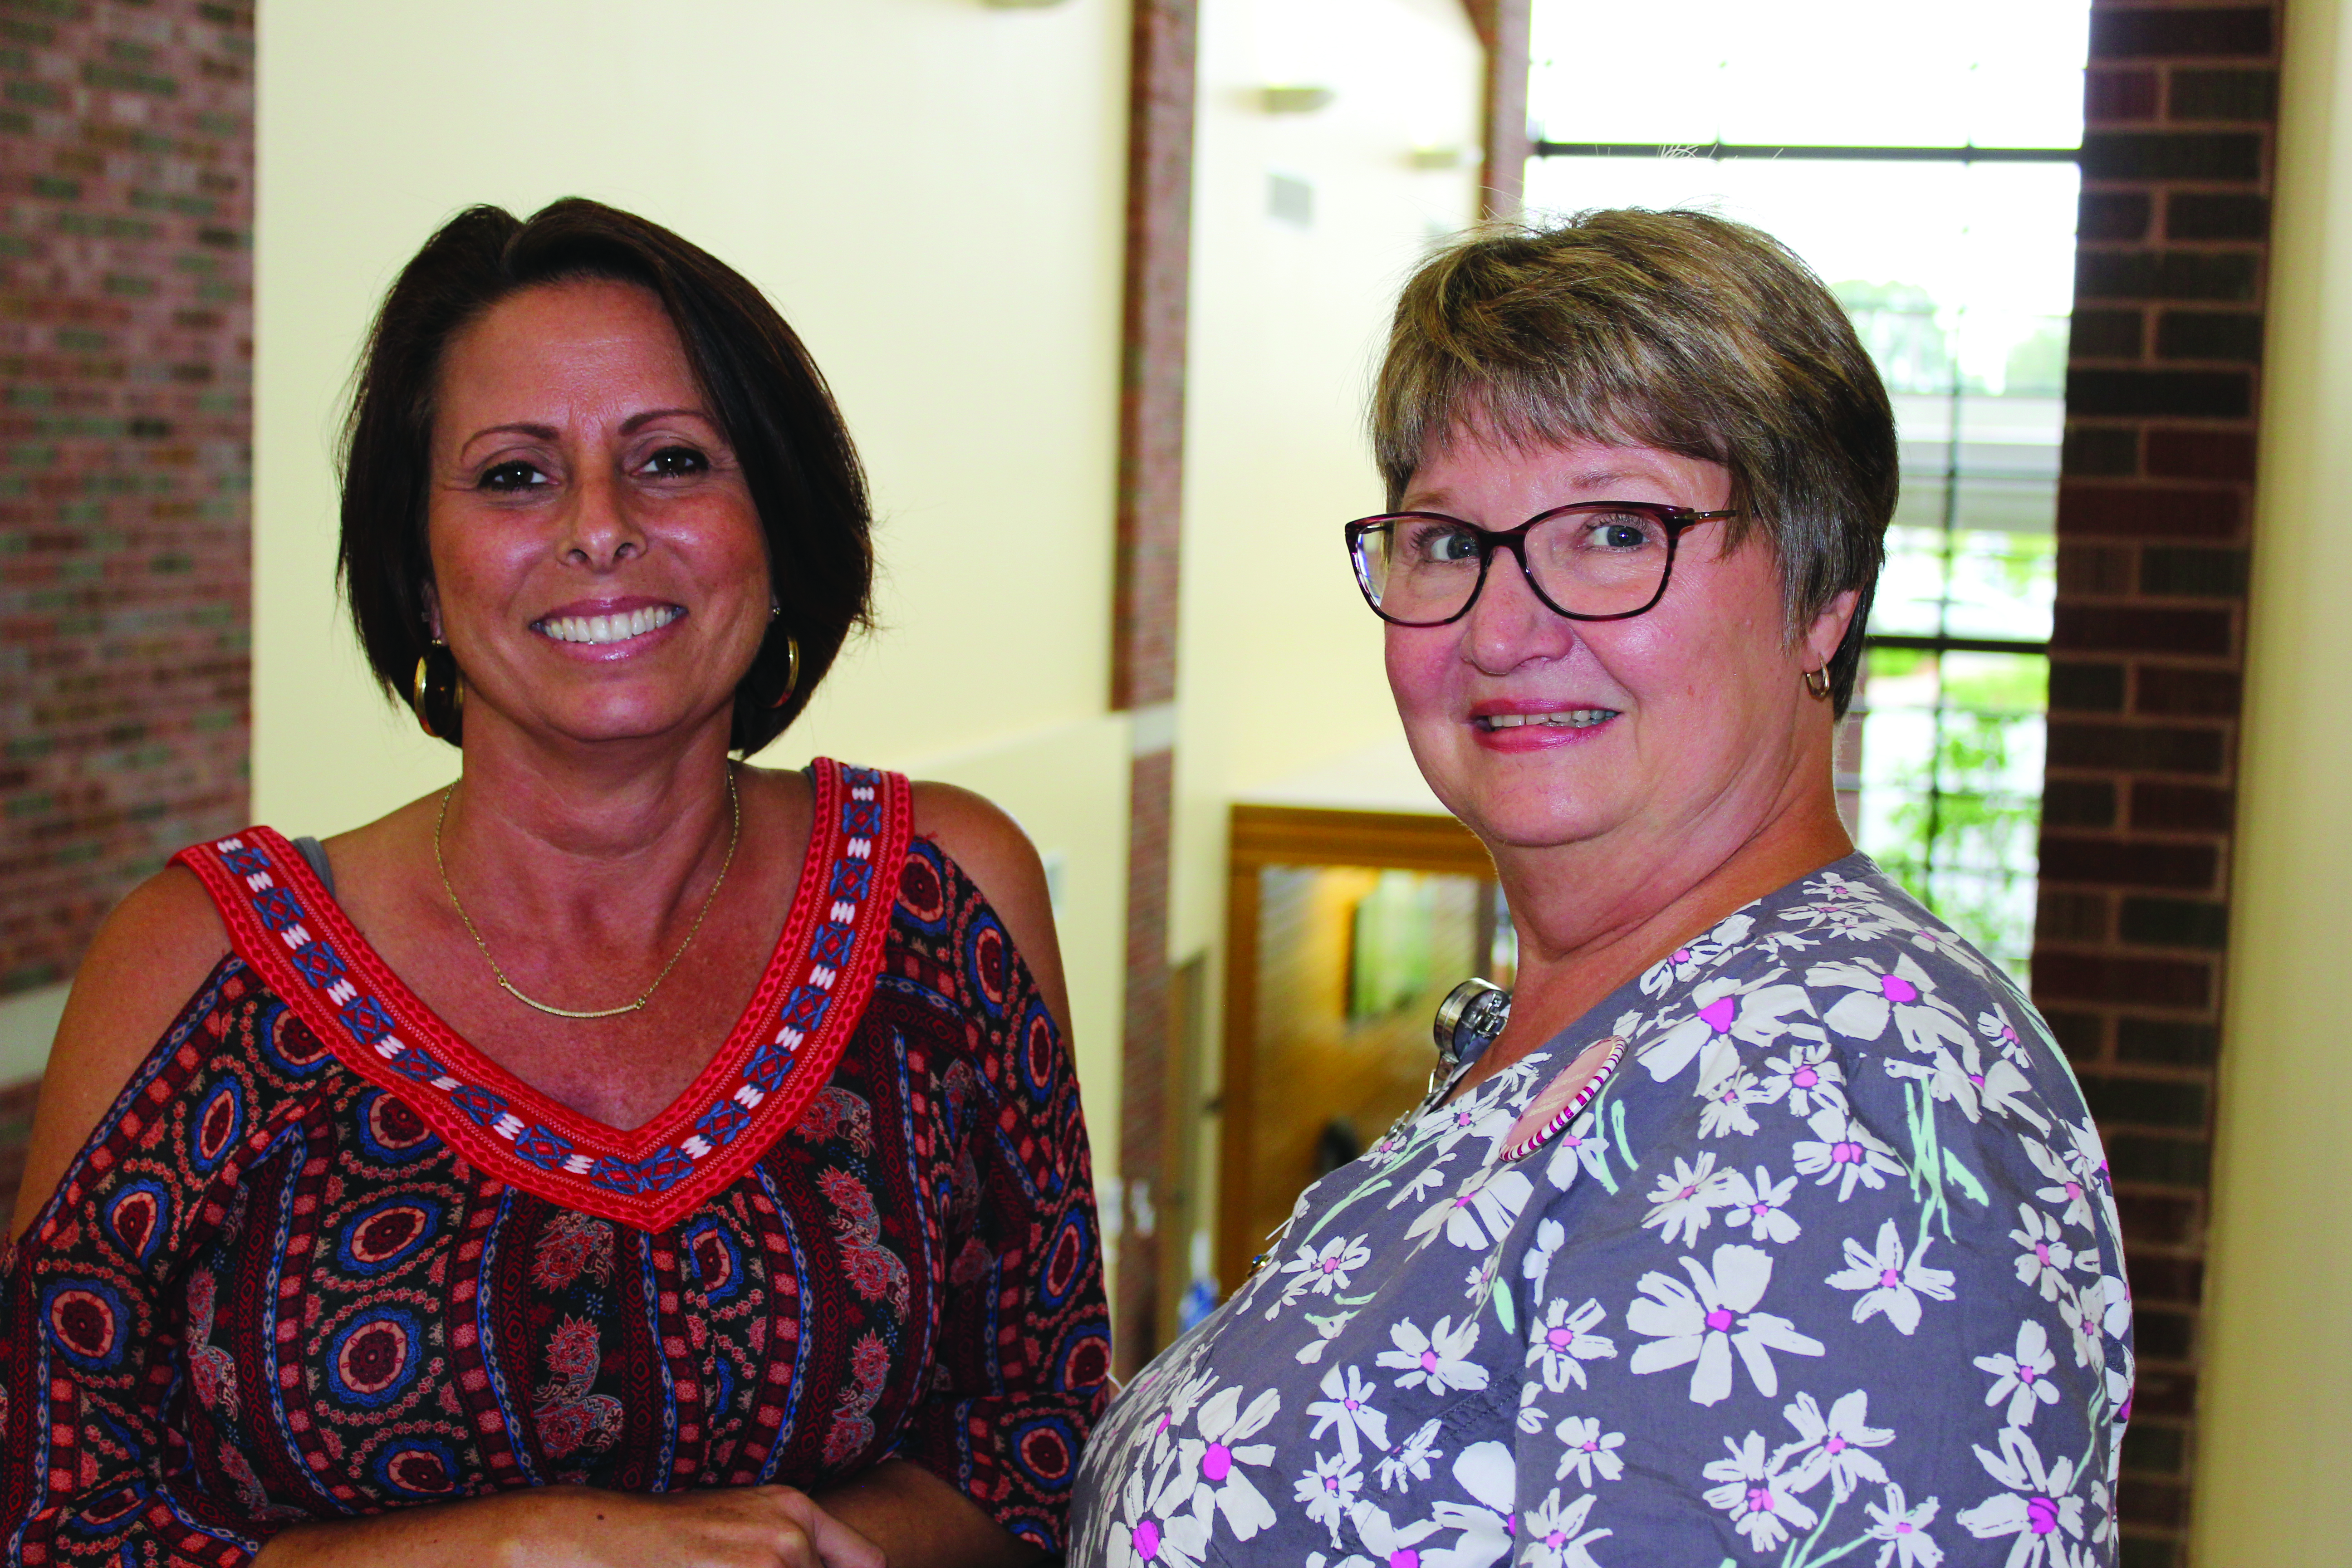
point(2274, 1474)
point(931, 190)
point(1280, 660)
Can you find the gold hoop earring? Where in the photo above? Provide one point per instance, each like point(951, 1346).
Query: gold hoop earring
point(1817, 683)
point(791, 670)
point(426, 689)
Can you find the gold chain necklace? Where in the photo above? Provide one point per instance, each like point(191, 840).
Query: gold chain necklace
point(734, 834)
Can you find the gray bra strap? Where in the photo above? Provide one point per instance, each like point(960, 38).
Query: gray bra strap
point(316, 853)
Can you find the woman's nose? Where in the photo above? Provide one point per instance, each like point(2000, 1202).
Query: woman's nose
point(1509, 626)
point(600, 527)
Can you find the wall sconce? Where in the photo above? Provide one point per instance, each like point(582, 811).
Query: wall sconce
point(1293, 100)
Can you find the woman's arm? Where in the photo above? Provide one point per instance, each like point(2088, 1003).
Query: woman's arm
point(1001, 862)
point(578, 1527)
point(920, 1522)
point(151, 953)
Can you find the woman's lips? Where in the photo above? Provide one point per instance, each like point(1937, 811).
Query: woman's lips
point(602, 629)
point(1517, 730)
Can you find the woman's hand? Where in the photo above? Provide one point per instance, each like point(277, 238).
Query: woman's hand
point(580, 1526)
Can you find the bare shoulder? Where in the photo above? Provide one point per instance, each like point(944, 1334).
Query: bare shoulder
point(980, 837)
point(151, 953)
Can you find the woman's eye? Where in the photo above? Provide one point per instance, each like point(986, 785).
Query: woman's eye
point(1444, 546)
point(514, 476)
point(1619, 533)
point(676, 462)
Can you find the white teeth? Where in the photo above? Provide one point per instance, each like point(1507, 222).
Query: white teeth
point(1571, 718)
point(610, 628)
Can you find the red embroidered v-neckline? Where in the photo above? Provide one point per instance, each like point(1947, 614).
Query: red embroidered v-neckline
point(778, 1056)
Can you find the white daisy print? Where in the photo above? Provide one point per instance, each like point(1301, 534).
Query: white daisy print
point(1761, 1206)
point(1761, 1504)
point(1412, 1460)
point(1835, 1446)
point(2022, 1377)
point(1328, 1490)
point(1587, 1452)
point(1843, 1150)
point(1321, 1270)
point(1683, 1204)
point(1709, 1319)
point(2042, 1266)
point(1806, 1076)
point(2039, 1507)
point(1439, 1359)
point(1904, 1531)
point(1221, 1449)
point(1346, 1407)
point(1561, 1340)
point(1890, 1280)
point(1556, 1535)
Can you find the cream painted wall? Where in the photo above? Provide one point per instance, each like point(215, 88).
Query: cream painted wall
point(1280, 659)
point(931, 190)
point(2274, 1461)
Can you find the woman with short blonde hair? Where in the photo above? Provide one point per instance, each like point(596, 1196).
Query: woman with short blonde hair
point(1770, 1225)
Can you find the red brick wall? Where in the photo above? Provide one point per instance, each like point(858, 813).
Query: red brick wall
point(2162, 394)
point(126, 312)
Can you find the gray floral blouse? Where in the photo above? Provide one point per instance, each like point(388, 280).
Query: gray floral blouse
point(1825, 1270)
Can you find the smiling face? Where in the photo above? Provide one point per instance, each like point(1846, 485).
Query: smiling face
point(1685, 728)
point(599, 567)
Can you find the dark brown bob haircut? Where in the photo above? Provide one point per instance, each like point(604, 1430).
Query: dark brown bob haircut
point(766, 393)
point(1676, 330)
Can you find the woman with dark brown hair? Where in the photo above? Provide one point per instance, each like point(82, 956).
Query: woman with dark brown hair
point(625, 1154)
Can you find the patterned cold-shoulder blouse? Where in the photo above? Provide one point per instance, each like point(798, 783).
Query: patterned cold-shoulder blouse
point(1825, 1270)
point(323, 1257)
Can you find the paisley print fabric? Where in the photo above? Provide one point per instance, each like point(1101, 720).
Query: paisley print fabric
point(1825, 1270)
point(269, 1292)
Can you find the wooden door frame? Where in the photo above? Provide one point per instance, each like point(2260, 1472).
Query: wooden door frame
point(1263, 836)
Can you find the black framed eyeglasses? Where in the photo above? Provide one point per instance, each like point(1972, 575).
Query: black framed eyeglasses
point(1589, 561)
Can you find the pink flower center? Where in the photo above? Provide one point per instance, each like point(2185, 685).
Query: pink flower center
point(1889, 1280)
point(1217, 1463)
point(1759, 1500)
point(2073, 1192)
point(1976, 1079)
point(2010, 1035)
point(1804, 1078)
point(1560, 1337)
point(1836, 1445)
point(1685, 1192)
point(1759, 1210)
point(1330, 1266)
point(1147, 1540)
point(1719, 1013)
point(1331, 1483)
point(1556, 1538)
point(2040, 1515)
point(1719, 1321)
point(1903, 1527)
point(1894, 988)
point(1429, 1361)
point(1846, 1153)
point(1404, 1557)
point(2026, 1375)
point(1593, 1446)
point(1349, 1404)
point(2041, 1251)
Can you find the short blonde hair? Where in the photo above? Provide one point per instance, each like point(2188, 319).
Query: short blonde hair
point(1677, 329)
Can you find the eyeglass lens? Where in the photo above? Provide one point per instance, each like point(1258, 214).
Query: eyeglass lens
point(1604, 561)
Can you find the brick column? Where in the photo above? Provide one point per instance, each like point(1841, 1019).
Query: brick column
point(126, 346)
point(1143, 627)
point(2162, 393)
